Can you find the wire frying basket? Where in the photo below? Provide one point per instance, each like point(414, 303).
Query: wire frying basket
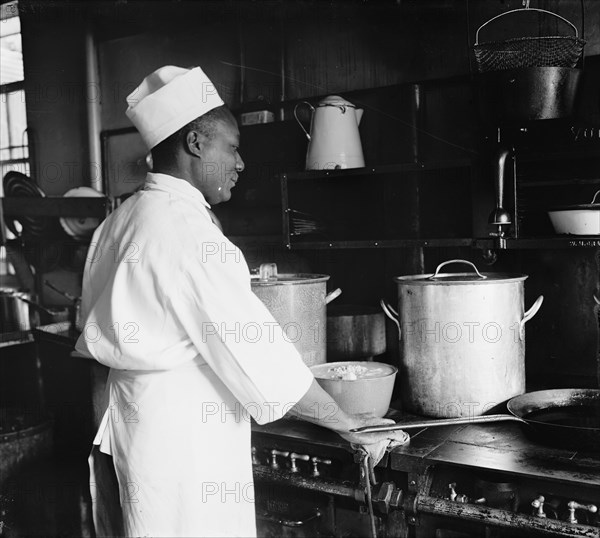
point(515, 53)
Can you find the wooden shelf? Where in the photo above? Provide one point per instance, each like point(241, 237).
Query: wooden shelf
point(24, 206)
point(553, 242)
point(376, 170)
point(384, 243)
point(402, 205)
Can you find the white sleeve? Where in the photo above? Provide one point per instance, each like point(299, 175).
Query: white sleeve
point(238, 337)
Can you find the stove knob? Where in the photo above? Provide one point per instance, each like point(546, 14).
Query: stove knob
point(315, 462)
point(294, 457)
point(573, 505)
point(458, 497)
point(274, 454)
point(538, 505)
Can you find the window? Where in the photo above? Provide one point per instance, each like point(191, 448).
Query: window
point(14, 152)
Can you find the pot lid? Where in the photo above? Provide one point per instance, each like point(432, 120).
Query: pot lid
point(289, 278)
point(335, 100)
point(474, 277)
point(459, 278)
point(268, 276)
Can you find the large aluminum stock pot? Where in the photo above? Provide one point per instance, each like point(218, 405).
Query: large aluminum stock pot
point(462, 340)
point(298, 303)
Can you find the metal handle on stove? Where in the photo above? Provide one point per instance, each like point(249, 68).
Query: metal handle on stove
point(438, 422)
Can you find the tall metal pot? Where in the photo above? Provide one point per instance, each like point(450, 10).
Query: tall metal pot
point(462, 340)
point(298, 303)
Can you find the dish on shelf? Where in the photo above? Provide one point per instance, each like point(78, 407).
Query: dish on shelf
point(81, 227)
point(582, 219)
point(18, 184)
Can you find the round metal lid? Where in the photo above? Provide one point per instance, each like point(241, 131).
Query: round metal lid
point(335, 100)
point(268, 276)
point(289, 278)
point(474, 277)
point(459, 278)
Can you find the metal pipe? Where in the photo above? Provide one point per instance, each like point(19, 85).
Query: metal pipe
point(416, 120)
point(501, 518)
point(322, 485)
point(282, 63)
point(92, 91)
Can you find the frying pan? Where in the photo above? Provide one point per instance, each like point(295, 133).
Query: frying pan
point(567, 418)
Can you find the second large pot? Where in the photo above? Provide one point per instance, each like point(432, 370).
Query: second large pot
point(530, 93)
point(298, 303)
point(462, 340)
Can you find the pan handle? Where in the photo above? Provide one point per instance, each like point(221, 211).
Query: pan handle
point(529, 314)
point(439, 422)
point(392, 314)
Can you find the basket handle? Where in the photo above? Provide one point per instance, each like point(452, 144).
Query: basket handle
point(524, 9)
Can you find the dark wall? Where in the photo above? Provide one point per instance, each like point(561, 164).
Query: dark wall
point(260, 53)
point(55, 89)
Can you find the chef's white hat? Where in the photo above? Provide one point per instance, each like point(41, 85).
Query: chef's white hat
point(168, 99)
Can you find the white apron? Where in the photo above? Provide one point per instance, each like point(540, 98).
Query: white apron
point(207, 490)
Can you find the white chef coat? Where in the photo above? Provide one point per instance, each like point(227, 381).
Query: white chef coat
point(193, 355)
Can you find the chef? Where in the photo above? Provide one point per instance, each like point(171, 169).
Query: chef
point(166, 300)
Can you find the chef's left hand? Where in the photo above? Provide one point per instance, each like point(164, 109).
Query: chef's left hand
point(366, 439)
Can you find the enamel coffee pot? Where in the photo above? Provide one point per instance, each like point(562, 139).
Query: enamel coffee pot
point(334, 140)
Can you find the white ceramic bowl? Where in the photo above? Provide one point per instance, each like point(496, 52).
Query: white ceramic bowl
point(581, 219)
point(369, 393)
point(576, 221)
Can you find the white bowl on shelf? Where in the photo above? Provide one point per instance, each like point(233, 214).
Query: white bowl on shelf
point(582, 219)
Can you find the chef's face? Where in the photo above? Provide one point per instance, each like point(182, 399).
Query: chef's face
point(220, 162)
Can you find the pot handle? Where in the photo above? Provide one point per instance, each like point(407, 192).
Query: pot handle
point(529, 314)
point(595, 196)
point(332, 295)
point(38, 306)
point(392, 314)
point(434, 276)
point(312, 108)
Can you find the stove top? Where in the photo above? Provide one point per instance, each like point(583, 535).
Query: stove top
point(498, 446)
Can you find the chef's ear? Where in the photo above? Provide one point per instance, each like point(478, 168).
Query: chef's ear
point(194, 142)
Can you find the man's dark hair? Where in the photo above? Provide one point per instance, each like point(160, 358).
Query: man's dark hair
point(163, 154)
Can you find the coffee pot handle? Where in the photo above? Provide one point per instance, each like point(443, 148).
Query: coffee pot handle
point(312, 108)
